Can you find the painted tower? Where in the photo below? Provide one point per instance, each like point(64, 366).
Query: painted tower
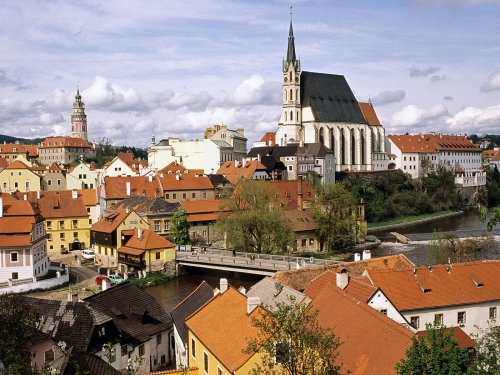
point(79, 118)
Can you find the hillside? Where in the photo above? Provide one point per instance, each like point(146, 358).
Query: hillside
point(9, 139)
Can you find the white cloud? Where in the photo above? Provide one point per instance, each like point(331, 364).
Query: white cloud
point(176, 100)
point(388, 97)
point(255, 90)
point(416, 118)
point(417, 72)
point(492, 83)
point(476, 120)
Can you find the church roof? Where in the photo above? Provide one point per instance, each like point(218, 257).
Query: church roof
point(330, 98)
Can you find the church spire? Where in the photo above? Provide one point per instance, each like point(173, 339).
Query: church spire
point(290, 54)
point(79, 118)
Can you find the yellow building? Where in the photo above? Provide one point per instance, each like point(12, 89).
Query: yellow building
point(111, 233)
point(218, 334)
point(145, 251)
point(18, 176)
point(66, 219)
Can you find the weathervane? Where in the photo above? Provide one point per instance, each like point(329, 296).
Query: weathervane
point(290, 12)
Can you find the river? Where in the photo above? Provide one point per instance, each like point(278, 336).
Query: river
point(175, 291)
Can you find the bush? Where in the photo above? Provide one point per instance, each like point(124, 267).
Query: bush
point(155, 279)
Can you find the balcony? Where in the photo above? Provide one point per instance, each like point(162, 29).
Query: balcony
point(131, 261)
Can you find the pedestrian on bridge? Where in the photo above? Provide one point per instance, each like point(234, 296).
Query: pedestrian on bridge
point(234, 253)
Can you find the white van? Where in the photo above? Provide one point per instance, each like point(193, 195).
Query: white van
point(88, 254)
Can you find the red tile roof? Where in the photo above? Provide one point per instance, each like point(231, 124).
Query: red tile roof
point(234, 170)
point(431, 143)
point(59, 204)
point(369, 114)
point(116, 187)
point(464, 340)
point(269, 139)
point(111, 221)
point(202, 206)
point(372, 343)
point(52, 142)
point(149, 240)
point(16, 164)
point(185, 181)
point(442, 285)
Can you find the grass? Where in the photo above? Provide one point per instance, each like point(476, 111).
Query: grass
point(407, 219)
point(154, 279)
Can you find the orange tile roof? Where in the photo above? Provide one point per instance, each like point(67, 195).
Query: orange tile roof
point(496, 155)
point(89, 196)
point(201, 206)
point(372, 343)
point(234, 170)
point(287, 191)
point(173, 167)
point(8, 148)
point(15, 207)
point(149, 240)
point(430, 143)
point(13, 225)
point(52, 142)
point(111, 221)
point(59, 204)
point(301, 220)
point(129, 159)
point(116, 187)
point(224, 326)
point(369, 114)
point(464, 340)
point(269, 139)
point(15, 241)
point(3, 162)
point(16, 164)
point(442, 285)
point(185, 181)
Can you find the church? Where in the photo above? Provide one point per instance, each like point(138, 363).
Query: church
point(319, 107)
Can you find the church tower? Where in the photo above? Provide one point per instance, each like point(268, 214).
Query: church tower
point(79, 118)
point(290, 126)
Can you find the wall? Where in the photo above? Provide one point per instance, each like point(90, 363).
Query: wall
point(39, 284)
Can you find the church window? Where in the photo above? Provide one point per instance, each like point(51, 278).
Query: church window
point(290, 76)
point(286, 95)
point(321, 136)
point(285, 117)
point(291, 94)
point(297, 116)
point(291, 116)
point(297, 94)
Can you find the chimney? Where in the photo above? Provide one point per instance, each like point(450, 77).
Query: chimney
point(300, 196)
point(242, 290)
point(150, 178)
point(430, 268)
point(139, 233)
point(25, 197)
point(127, 209)
point(252, 303)
point(258, 158)
point(367, 254)
point(357, 257)
point(216, 291)
point(1, 207)
point(342, 278)
point(72, 297)
point(278, 287)
point(448, 269)
point(223, 285)
point(74, 194)
point(127, 187)
point(414, 271)
point(236, 163)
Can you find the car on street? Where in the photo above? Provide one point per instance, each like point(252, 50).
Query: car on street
point(116, 279)
point(99, 280)
point(64, 250)
point(88, 254)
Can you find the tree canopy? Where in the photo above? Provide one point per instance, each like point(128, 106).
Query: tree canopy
point(179, 228)
point(250, 220)
point(448, 246)
point(292, 342)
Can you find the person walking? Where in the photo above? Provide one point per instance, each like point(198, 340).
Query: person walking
point(234, 253)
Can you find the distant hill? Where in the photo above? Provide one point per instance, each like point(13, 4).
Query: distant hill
point(9, 139)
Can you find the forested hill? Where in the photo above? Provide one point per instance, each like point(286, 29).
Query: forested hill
point(9, 139)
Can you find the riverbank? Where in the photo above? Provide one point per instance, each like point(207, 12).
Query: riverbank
point(411, 220)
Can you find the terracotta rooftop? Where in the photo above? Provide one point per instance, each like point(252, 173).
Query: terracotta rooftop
point(185, 181)
point(111, 221)
point(16, 164)
point(149, 240)
point(116, 187)
point(301, 220)
point(52, 142)
point(225, 338)
point(372, 343)
point(234, 170)
point(440, 285)
point(269, 138)
point(3, 162)
point(89, 196)
point(369, 114)
point(59, 204)
point(432, 143)
point(148, 205)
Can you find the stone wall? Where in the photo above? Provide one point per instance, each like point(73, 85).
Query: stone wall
point(473, 196)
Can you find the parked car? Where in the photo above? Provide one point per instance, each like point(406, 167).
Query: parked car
point(116, 279)
point(100, 278)
point(64, 250)
point(88, 254)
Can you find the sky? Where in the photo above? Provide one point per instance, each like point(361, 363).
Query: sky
point(173, 68)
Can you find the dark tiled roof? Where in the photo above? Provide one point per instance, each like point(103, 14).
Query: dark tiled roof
point(272, 164)
point(136, 314)
point(318, 149)
point(330, 97)
point(88, 364)
point(147, 205)
point(254, 151)
point(191, 303)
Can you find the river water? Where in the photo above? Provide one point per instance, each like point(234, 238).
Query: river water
point(175, 291)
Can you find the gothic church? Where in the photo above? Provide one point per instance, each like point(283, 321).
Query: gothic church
point(320, 107)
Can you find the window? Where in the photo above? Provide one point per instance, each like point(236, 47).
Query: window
point(124, 350)
point(205, 362)
point(493, 312)
point(49, 356)
point(167, 196)
point(49, 224)
point(311, 241)
point(27, 184)
point(461, 317)
point(157, 225)
point(158, 339)
point(165, 225)
point(61, 236)
point(174, 196)
point(384, 311)
point(158, 255)
point(75, 234)
point(141, 350)
point(204, 194)
point(219, 371)
point(16, 184)
point(61, 224)
point(15, 275)
point(163, 359)
point(58, 182)
point(13, 257)
point(193, 195)
point(193, 348)
point(5, 185)
point(415, 321)
point(438, 318)
point(304, 242)
point(183, 195)
point(290, 168)
point(75, 223)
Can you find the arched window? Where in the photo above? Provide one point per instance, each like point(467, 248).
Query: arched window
point(321, 136)
point(297, 116)
point(291, 94)
point(353, 147)
point(286, 95)
point(291, 116)
point(297, 94)
point(290, 76)
point(285, 117)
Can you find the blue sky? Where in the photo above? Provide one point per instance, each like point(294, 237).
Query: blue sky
point(180, 66)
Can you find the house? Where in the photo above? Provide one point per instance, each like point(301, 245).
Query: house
point(372, 343)
point(23, 241)
point(201, 295)
point(111, 233)
point(155, 210)
point(217, 333)
point(202, 216)
point(144, 328)
point(83, 176)
point(124, 164)
point(273, 292)
point(458, 294)
point(64, 150)
point(235, 138)
point(66, 219)
point(186, 185)
point(145, 251)
point(90, 200)
point(54, 178)
point(18, 176)
point(11, 151)
point(247, 169)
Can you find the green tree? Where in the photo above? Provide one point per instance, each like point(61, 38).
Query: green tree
point(436, 354)
point(335, 214)
point(487, 359)
point(17, 325)
point(250, 221)
point(448, 246)
point(180, 227)
point(289, 334)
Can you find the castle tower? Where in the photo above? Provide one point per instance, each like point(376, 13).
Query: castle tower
point(79, 118)
point(290, 126)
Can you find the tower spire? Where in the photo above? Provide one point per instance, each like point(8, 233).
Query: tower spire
point(290, 54)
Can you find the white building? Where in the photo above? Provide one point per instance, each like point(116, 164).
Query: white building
point(83, 176)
